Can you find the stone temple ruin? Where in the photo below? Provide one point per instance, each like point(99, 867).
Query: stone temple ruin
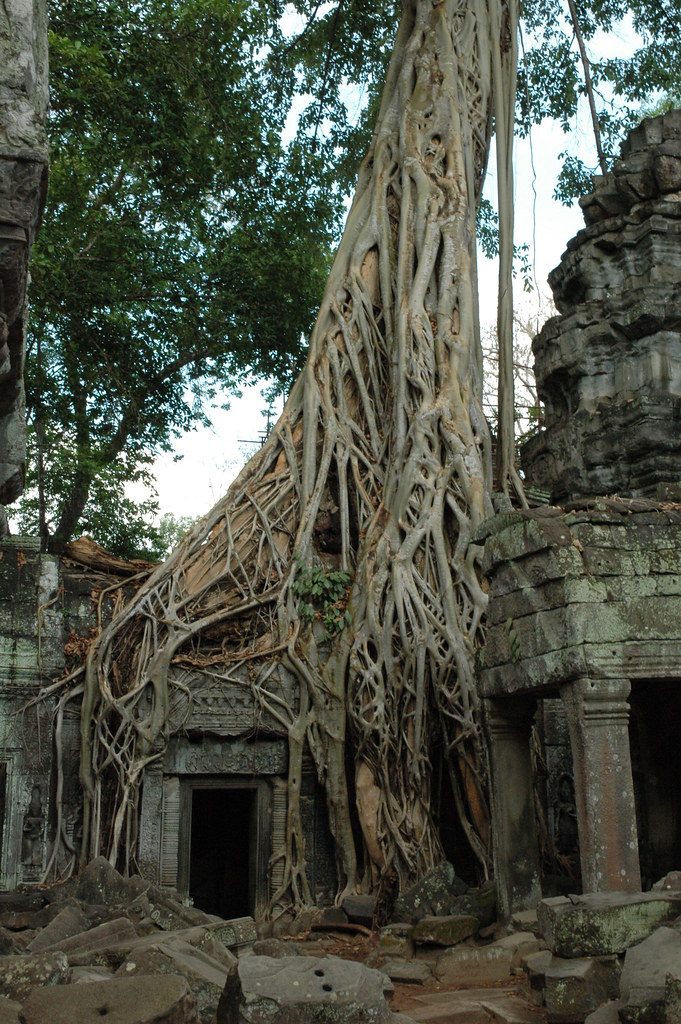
point(580, 672)
point(585, 600)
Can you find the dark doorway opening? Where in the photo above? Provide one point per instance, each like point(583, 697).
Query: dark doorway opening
point(656, 770)
point(3, 800)
point(222, 851)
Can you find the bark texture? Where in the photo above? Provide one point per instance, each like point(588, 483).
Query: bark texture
point(378, 471)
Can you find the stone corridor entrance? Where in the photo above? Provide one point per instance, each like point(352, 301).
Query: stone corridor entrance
point(656, 768)
point(222, 852)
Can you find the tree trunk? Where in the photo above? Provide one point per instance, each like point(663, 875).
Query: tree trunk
point(378, 471)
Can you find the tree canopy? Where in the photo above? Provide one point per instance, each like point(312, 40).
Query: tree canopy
point(186, 244)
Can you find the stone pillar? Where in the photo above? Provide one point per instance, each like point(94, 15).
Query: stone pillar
point(516, 847)
point(598, 717)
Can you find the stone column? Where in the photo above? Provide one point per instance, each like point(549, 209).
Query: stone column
point(516, 847)
point(598, 718)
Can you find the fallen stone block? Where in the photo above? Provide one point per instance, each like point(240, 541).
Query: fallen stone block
point(521, 944)
point(15, 905)
point(511, 1008)
point(396, 940)
point(302, 990)
point(475, 1006)
point(238, 935)
point(605, 1014)
point(206, 977)
point(598, 924)
point(444, 931)
point(525, 921)
point(474, 965)
point(644, 977)
point(431, 895)
point(9, 1011)
point(83, 975)
point(536, 964)
point(69, 921)
point(575, 988)
point(276, 948)
point(111, 933)
point(20, 974)
point(408, 972)
point(359, 909)
point(154, 1000)
point(8, 943)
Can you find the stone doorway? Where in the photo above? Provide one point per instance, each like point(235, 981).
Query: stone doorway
point(224, 845)
point(656, 770)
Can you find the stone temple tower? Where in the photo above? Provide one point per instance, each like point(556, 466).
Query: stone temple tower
point(584, 619)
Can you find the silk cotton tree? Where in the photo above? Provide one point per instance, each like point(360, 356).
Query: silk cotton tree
point(371, 486)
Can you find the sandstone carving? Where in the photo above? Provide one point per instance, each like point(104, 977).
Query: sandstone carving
point(609, 367)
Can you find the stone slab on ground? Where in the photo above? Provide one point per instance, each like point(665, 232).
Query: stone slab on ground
point(475, 1006)
point(69, 921)
point(526, 921)
point(601, 923)
point(111, 933)
point(575, 988)
point(521, 944)
point(409, 972)
point(644, 977)
point(444, 931)
point(474, 965)
point(20, 974)
point(206, 977)
point(9, 1011)
point(302, 990)
point(149, 1000)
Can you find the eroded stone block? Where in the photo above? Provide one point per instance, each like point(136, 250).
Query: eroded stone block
point(598, 924)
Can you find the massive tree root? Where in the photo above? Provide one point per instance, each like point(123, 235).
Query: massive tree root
point(375, 477)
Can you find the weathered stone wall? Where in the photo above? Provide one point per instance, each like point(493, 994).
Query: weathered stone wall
point(23, 184)
point(597, 589)
point(609, 367)
point(48, 610)
point(31, 652)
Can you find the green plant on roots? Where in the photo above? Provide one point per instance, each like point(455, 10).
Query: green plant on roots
point(323, 596)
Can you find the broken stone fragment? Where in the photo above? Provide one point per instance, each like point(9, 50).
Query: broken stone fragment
point(574, 988)
point(444, 931)
point(69, 921)
point(474, 965)
point(20, 974)
point(407, 972)
point(647, 966)
point(153, 1000)
point(303, 990)
point(597, 924)
point(432, 895)
point(360, 909)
